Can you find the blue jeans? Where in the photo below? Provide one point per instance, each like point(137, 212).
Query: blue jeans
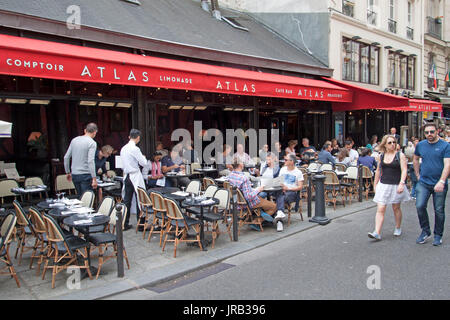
point(423, 192)
point(82, 182)
point(286, 197)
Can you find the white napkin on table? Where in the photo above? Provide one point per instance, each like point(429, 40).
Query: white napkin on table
point(208, 201)
point(83, 221)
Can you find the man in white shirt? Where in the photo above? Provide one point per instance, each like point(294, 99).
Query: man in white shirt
point(291, 182)
point(132, 158)
point(352, 153)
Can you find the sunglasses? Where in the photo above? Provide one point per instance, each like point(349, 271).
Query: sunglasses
point(430, 132)
point(391, 142)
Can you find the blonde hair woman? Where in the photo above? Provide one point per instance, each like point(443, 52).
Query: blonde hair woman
point(389, 184)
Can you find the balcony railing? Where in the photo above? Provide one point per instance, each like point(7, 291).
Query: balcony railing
point(410, 33)
point(434, 27)
point(348, 8)
point(392, 26)
point(371, 17)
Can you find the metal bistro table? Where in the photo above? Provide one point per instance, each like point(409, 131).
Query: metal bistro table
point(208, 172)
point(176, 176)
point(95, 221)
point(195, 203)
point(163, 190)
point(272, 190)
point(28, 191)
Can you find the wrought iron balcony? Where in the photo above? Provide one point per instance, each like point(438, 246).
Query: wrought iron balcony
point(348, 8)
point(371, 17)
point(392, 26)
point(410, 33)
point(434, 27)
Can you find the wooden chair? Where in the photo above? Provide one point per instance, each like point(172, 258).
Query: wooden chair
point(218, 213)
point(35, 181)
point(41, 239)
point(105, 208)
point(25, 230)
point(160, 219)
point(340, 167)
point(207, 181)
point(179, 225)
point(193, 187)
point(6, 231)
point(63, 251)
point(295, 206)
point(350, 182)
point(87, 199)
point(332, 186)
point(367, 178)
point(326, 166)
point(5, 189)
point(246, 215)
point(62, 184)
point(145, 204)
point(103, 240)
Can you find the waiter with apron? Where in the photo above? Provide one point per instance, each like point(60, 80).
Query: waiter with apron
point(132, 158)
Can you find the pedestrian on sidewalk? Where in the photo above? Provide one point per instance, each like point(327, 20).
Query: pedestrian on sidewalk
point(432, 175)
point(82, 152)
point(389, 184)
point(132, 158)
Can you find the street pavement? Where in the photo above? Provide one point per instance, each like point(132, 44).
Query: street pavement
point(336, 261)
point(320, 261)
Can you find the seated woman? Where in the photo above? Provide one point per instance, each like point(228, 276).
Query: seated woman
point(152, 172)
point(343, 157)
point(367, 160)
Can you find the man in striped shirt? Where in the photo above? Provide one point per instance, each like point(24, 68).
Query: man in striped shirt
point(238, 179)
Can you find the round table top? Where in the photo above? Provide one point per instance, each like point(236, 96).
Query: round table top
point(273, 189)
point(175, 196)
point(176, 175)
point(46, 205)
point(56, 213)
point(163, 190)
point(206, 169)
point(96, 220)
point(189, 203)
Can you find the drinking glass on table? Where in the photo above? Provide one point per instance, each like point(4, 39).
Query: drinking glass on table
point(183, 188)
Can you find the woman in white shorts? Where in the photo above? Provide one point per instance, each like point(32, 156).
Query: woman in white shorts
point(389, 184)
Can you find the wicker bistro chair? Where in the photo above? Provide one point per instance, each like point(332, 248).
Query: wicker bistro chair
point(41, 242)
point(326, 166)
point(246, 215)
point(5, 189)
point(209, 193)
point(179, 225)
point(333, 188)
point(103, 240)
point(340, 167)
point(193, 187)
point(218, 213)
point(25, 230)
point(145, 204)
point(159, 222)
point(350, 182)
point(6, 231)
point(207, 181)
point(367, 178)
point(63, 251)
point(62, 184)
point(104, 208)
point(295, 206)
point(87, 199)
point(35, 181)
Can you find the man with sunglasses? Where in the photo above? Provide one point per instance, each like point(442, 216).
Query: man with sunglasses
point(432, 176)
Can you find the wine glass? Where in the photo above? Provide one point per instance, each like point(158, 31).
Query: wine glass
point(183, 188)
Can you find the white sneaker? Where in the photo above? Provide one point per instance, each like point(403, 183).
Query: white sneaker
point(280, 215)
point(279, 226)
point(397, 232)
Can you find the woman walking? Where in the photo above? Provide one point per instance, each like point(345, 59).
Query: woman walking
point(389, 185)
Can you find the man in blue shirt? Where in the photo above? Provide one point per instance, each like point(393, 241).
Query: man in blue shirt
point(325, 155)
point(434, 170)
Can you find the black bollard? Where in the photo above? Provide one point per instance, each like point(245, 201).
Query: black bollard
point(309, 192)
point(319, 216)
point(119, 236)
point(360, 183)
point(235, 219)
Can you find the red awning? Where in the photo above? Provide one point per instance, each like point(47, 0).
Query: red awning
point(44, 59)
point(422, 105)
point(364, 98)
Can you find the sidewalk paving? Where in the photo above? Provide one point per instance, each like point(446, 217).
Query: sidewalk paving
point(149, 266)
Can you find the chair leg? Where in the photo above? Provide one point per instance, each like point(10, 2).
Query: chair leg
point(100, 259)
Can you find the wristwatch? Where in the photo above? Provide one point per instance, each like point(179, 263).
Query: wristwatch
point(402, 182)
point(442, 181)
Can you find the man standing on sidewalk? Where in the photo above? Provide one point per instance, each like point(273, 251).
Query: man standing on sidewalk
point(434, 170)
point(132, 158)
point(82, 151)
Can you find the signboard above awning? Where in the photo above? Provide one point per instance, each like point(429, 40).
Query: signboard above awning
point(36, 58)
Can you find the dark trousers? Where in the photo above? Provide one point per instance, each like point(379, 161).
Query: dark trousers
point(286, 197)
point(82, 182)
point(129, 194)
